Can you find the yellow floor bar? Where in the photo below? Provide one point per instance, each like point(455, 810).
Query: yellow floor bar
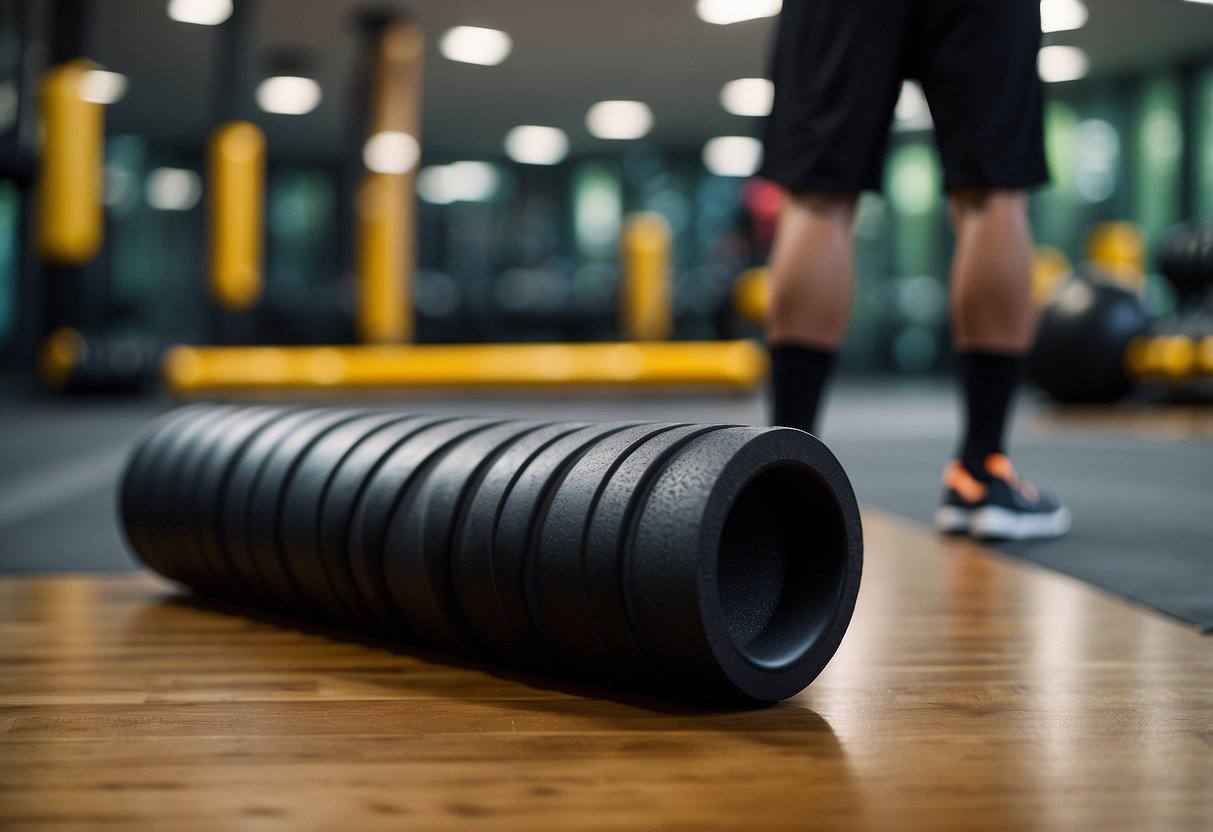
point(737, 365)
point(1170, 357)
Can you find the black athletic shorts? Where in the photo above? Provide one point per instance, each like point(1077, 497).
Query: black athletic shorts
point(838, 67)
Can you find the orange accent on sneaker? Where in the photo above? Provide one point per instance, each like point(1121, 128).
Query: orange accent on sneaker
point(958, 478)
point(999, 465)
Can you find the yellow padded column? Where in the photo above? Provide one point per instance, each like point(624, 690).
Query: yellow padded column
point(69, 211)
point(236, 213)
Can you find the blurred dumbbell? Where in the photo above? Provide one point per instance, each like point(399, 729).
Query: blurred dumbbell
point(72, 362)
point(1185, 259)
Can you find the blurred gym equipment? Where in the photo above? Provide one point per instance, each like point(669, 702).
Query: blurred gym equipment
point(1095, 341)
point(235, 183)
point(69, 226)
point(73, 362)
point(386, 201)
point(236, 179)
point(645, 292)
point(1118, 250)
point(1050, 268)
point(727, 365)
point(69, 185)
point(386, 250)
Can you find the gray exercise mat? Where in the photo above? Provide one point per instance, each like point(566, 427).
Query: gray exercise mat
point(1143, 510)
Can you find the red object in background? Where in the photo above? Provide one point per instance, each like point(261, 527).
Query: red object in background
point(763, 199)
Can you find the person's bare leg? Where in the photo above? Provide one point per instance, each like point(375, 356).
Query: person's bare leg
point(812, 279)
point(812, 271)
point(991, 271)
point(993, 321)
point(992, 314)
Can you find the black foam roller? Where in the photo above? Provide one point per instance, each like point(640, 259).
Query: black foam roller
point(608, 530)
point(232, 528)
point(416, 551)
point(393, 479)
point(341, 495)
point(210, 488)
point(556, 579)
point(132, 497)
point(744, 565)
point(265, 505)
point(175, 461)
point(472, 551)
point(516, 524)
point(703, 560)
point(300, 515)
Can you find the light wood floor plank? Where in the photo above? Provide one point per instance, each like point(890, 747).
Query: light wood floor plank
point(972, 692)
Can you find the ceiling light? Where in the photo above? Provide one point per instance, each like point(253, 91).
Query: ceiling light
point(1206, 2)
point(723, 12)
point(458, 182)
point(289, 95)
point(172, 189)
point(474, 45)
point(530, 144)
point(1063, 15)
point(1062, 63)
point(732, 155)
point(619, 119)
point(390, 152)
point(748, 97)
point(202, 12)
point(102, 87)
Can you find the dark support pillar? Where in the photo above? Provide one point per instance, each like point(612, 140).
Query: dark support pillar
point(231, 95)
point(17, 163)
point(233, 74)
point(63, 285)
point(1189, 111)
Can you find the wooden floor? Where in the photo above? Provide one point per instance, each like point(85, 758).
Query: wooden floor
point(972, 692)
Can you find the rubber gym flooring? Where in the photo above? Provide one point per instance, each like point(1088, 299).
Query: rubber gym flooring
point(1138, 478)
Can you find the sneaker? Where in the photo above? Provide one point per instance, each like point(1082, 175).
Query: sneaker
point(1002, 508)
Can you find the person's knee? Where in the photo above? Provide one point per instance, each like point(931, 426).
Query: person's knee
point(996, 202)
point(825, 206)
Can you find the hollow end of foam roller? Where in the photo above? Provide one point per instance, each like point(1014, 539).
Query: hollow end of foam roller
point(782, 568)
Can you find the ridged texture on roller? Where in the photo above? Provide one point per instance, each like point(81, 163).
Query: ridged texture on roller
point(701, 560)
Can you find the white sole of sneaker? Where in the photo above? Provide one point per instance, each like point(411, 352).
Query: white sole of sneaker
point(996, 523)
point(953, 520)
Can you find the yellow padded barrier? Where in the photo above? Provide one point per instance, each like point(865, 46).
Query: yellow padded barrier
point(739, 365)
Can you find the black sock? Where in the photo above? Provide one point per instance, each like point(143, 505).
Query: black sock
point(988, 381)
point(798, 377)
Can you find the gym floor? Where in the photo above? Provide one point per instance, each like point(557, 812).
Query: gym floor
point(975, 689)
